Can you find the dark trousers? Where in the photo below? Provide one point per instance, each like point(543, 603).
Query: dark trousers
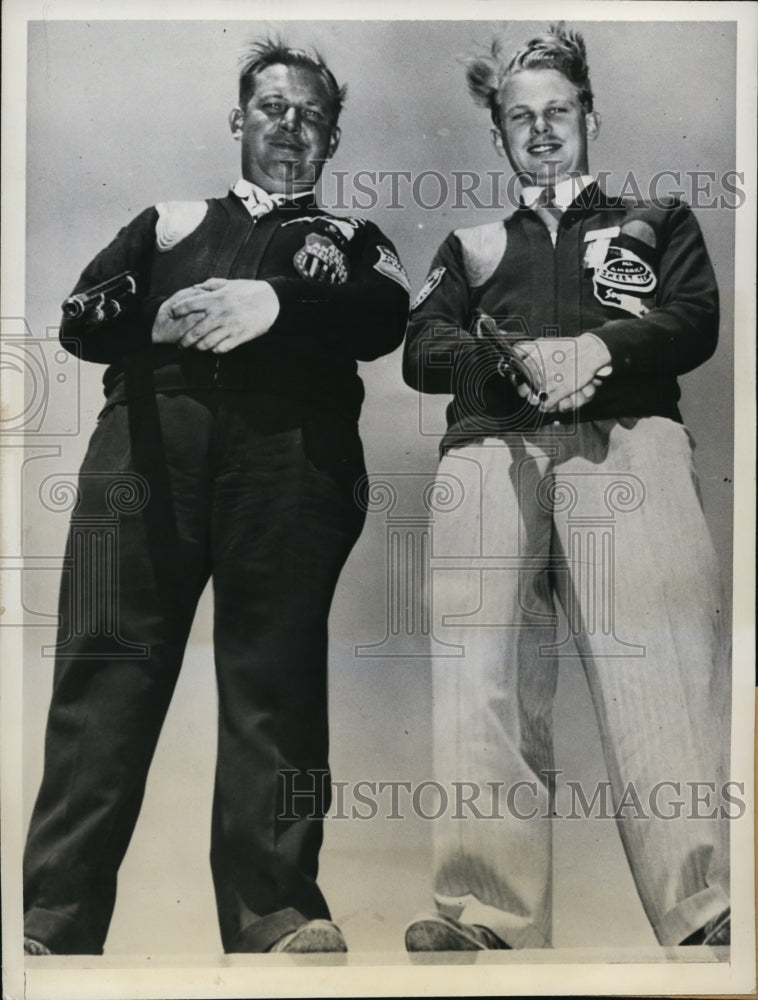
point(220, 484)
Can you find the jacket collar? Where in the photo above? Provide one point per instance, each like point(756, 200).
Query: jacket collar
point(260, 202)
point(590, 198)
point(565, 193)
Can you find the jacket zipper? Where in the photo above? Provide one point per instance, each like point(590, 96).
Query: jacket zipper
point(217, 363)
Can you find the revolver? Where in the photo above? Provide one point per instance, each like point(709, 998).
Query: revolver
point(509, 363)
point(103, 301)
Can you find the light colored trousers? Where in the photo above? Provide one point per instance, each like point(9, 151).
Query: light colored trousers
point(607, 517)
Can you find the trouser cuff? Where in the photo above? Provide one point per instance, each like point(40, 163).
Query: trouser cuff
point(59, 933)
point(690, 915)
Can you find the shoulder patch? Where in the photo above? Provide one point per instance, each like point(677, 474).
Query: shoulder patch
point(177, 219)
point(433, 279)
point(483, 248)
point(390, 266)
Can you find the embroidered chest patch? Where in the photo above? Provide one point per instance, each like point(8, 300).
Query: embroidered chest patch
point(319, 258)
point(623, 280)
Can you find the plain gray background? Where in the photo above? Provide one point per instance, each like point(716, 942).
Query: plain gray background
point(124, 114)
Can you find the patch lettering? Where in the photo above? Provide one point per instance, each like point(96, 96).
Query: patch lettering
point(622, 280)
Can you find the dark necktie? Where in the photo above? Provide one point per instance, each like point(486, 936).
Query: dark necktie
point(547, 210)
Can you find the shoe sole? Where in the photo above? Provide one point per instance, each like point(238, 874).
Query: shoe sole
point(34, 947)
point(314, 938)
point(435, 935)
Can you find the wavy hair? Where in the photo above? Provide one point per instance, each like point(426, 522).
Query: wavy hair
point(555, 48)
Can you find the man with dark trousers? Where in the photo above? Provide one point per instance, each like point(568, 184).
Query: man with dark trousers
point(232, 328)
point(560, 333)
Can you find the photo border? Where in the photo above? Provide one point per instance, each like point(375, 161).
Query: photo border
point(382, 974)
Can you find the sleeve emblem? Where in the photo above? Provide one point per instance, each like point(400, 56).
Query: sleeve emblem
point(390, 266)
point(433, 279)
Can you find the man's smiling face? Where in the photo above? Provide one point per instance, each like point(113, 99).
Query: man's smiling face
point(543, 128)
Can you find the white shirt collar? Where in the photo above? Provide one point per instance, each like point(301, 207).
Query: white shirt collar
point(566, 192)
point(256, 200)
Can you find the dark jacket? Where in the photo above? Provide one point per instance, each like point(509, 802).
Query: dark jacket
point(323, 328)
point(635, 274)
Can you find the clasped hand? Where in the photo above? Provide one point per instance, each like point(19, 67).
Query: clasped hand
point(561, 373)
point(217, 315)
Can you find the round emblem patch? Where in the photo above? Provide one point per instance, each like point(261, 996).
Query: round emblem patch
point(629, 273)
